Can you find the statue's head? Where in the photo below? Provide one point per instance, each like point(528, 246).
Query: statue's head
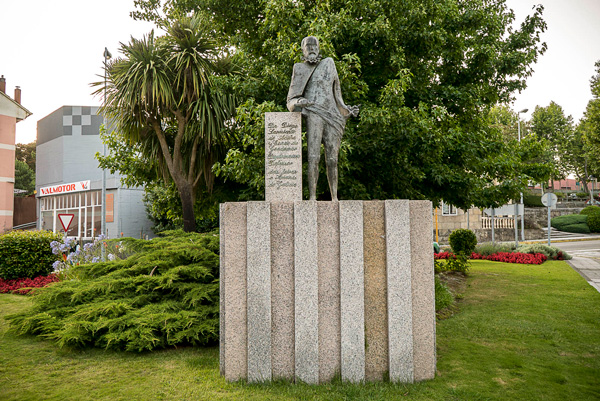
point(310, 49)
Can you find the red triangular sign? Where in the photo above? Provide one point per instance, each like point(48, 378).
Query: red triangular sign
point(65, 220)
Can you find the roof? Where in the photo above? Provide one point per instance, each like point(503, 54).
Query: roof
point(9, 107)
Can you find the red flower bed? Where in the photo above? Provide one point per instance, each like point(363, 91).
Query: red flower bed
point(443, 255)
point(506, 257)
point(24, 285)
point(514, 257)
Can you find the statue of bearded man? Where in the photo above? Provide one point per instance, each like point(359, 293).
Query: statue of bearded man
point(315, 91)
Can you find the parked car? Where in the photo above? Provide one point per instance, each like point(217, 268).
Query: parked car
point(592, 202)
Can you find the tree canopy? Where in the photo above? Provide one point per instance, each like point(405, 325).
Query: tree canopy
point(24, 177)
point(427, 73)
point(590, 124)
point(550, 125)
point(26, 153)
point(162, 100)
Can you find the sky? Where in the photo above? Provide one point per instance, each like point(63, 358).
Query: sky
point(53, 51)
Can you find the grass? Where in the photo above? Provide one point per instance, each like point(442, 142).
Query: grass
point(521, 332)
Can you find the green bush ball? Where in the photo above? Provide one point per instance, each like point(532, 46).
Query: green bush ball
point(589, 210)
point(463, 241)
point(593, 222)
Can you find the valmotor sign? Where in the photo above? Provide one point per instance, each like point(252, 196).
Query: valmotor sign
point(65, 188)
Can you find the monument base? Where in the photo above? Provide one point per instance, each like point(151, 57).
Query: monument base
point(313, 289)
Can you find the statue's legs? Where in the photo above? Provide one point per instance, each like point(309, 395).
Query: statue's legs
point(332, 142)
point(314, 133)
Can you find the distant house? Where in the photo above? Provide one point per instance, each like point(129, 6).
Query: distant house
point(567, 184)
point(11, 112)
point(69, 181)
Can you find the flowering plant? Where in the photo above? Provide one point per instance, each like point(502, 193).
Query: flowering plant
point(514, 257)
point(73, 254)
point(506, 257)
point(24, 285)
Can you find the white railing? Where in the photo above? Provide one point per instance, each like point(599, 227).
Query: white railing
point(499, 222)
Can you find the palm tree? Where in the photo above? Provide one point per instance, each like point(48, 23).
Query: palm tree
point(160, 94)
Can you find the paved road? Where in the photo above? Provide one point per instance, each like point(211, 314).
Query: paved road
point(588, 249)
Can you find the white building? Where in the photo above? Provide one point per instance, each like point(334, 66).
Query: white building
point(69, 182)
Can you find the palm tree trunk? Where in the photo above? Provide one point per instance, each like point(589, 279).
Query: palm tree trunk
point(187, 205)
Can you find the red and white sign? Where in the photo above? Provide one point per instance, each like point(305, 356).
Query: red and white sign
point(65, 188)
point(65, 220)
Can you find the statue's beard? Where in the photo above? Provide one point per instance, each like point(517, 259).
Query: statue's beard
point(312, 58)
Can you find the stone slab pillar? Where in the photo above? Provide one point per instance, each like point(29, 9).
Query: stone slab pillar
point(313, 289)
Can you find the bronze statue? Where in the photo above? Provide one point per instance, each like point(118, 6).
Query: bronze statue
point(315, 91)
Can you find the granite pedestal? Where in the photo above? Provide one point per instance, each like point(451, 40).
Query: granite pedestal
point(314, 289)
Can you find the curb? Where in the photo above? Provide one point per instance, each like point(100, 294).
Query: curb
point(537, 241)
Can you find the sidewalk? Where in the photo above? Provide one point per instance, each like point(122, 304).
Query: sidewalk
point(561, 236)
point(588, 268)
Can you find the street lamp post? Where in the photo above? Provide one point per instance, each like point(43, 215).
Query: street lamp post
point(107, 57)
point(521, 203)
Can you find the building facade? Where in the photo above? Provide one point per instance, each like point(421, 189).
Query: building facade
point(11, 112)
point(69, 181)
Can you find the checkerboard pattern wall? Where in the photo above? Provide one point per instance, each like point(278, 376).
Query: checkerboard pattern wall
point(81, 120)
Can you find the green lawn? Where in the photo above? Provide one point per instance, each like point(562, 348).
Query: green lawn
point(521, 333)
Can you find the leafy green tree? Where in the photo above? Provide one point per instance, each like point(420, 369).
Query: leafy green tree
point(503, 118)
point(590, 124)
point(26, 153)
point(549, 124)
point(163, 100)
point(577, 155)
point(24, 177)
point(425, 71)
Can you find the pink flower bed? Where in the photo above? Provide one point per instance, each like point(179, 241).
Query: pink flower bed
point(506, 257)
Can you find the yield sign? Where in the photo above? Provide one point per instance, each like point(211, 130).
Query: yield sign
point(65, 220)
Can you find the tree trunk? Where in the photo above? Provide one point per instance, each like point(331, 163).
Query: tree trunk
point(187, 206)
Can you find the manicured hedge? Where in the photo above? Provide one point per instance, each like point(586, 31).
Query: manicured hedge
point(589, 210)
point(594, 222)
point(532, 200)
point(571, 223)
point(26, 254)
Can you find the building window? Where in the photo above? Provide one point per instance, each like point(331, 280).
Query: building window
point(86, 208)
point(448, 209)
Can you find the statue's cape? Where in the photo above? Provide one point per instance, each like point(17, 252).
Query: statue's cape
point(300, 76)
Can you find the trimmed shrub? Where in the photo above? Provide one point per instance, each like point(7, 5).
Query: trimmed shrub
point(532, 200)
point(571, 223)
point(589, 210)
point(487, 248)
point(551, 252)
point(462, 241)
point(165, 295)
point(594, 222)
point(26, 254)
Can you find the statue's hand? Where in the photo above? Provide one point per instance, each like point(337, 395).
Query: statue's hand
point(304, 103)
point(353, 110)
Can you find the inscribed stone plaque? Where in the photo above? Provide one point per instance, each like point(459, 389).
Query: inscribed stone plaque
point(283, 157)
